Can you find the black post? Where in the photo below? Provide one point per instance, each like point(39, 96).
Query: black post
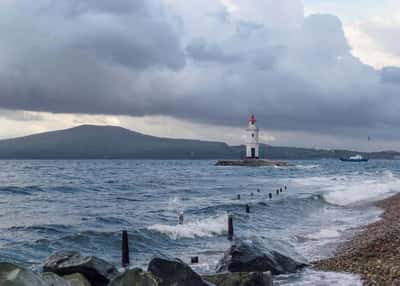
point(277, 192)
point(258, 190)
point(194, 259)
point(270, 196)
point(180, 218)
point(247, 209)
point(285, 187)
point(230, 227)
point(125, 249)
point(238, 197)
point(280, 190)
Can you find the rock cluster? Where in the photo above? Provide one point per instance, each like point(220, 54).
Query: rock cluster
point(242, 265)
point(245, 257)
point(374, 252)
point(97, 271)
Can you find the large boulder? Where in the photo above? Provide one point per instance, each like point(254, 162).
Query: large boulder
point(252, 257)
point(13, 275)
point(77, 279)
point(241, 279)
point(134, 277)
point(98, 271)
point(174, 272)
point(52, 279)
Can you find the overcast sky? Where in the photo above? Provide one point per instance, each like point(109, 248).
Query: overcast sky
point(316, 73)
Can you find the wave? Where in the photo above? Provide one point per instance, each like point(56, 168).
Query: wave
point(353, 189)
point(307, 167)
point(364, 190)
point(207, 227)
point(51, 228)
point(26, 191)
point(312, 278)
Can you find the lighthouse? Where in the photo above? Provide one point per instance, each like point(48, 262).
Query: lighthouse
point(252, 144)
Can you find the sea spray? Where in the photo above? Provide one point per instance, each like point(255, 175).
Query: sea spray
point(206, 227)
point(176, 205)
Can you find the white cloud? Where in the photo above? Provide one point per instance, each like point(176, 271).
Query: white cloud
point(368, 48)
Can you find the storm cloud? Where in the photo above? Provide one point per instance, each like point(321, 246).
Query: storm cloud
point(204, 63)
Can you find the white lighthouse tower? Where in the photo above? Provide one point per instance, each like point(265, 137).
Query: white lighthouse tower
point(252, 144)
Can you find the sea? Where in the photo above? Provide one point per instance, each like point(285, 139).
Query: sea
point(83, 205)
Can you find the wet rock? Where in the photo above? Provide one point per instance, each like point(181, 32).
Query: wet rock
point(77, 279)
point(174, 272)
point(13, 275)
point(97, 271)
point(241, 279)
point(251, 257)
point(134, 277)
point(52, 279)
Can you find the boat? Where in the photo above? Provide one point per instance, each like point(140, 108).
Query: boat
point(356, 158)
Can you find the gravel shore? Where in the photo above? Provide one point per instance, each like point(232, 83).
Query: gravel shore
point(374, 253)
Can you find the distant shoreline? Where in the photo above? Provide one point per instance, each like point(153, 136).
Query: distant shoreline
point(87, 142)
point(373, 253)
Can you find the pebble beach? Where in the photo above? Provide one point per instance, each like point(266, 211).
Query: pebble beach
point(374, 252)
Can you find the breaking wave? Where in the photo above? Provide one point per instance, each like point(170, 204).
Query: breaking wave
point(207, 227)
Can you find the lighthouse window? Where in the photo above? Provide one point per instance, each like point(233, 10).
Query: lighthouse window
point(252, 134)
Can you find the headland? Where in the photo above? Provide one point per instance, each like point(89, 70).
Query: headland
point(374, 252)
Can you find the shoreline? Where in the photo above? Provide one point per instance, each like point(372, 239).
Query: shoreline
point(374, 252)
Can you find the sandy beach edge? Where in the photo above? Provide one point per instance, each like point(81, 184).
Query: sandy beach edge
point(374, 252)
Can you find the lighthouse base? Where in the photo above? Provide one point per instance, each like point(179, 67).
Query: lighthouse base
point(251, 163)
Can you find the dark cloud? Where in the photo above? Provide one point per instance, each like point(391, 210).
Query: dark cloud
point(137, 34)
point(202, 51)
point(391, 75)
point(128, 57)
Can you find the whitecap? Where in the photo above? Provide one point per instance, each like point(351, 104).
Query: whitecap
point(206, 227)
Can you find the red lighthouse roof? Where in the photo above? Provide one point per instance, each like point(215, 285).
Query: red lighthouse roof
point(252, 119)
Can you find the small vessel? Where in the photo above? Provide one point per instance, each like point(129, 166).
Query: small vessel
point(356, 158)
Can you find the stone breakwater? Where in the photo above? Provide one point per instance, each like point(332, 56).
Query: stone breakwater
point(374, 252)
point(252, 163)
point(242, 265)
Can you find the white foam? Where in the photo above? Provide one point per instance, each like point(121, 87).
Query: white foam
point(366, 189)
point(354, 188)
point(307, 167)
point(325, 233)
point(315, 278)
point(197, 228)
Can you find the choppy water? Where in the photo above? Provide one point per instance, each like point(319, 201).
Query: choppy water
point(46, 206)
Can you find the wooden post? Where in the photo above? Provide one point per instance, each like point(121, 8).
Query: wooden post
point(194, 259)
point(181, 217)
point(247, 209)
point(230, 227)
point(125, 249)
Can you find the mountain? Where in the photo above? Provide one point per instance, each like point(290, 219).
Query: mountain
point(110, 142)
point(96, 142)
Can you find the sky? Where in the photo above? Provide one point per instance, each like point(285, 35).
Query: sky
point(321, 74)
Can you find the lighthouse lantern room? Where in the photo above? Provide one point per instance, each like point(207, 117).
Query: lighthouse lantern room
point(252, 144)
